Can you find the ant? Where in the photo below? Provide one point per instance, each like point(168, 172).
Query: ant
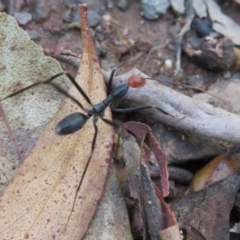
point(76, 121)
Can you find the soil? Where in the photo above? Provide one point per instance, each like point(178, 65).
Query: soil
point(122, 38)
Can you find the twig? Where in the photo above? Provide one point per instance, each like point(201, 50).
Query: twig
point(193, 116)
point(151, 51)
point(189, 16)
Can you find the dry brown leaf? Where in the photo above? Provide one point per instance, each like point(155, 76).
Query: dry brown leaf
point(39, 202)
point(150, 215)
point(24, 63)
point(144, 132)
point(205, 214)
point(171, 233)
point(145, 214)
point(170, 229)
point(216, 170)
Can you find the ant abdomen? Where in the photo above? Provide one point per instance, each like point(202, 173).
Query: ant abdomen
point(72, 123)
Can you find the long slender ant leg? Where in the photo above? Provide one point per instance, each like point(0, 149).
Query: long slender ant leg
point(79, 89)
point(64, 92)
point(32, 85)
point(110, 82)
point(111, 123)
point(61, 90)
point(126, 110)
point(95, 119)
point(73, 82)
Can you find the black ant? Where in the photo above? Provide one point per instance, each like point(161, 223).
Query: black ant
point(77, 120)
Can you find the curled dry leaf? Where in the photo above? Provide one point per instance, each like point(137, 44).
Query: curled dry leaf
point(204, 210)
point(149, 213)
point(143, 132)
point(42, 201)
point(145, 211)
point(170, 229)
point(216, 170)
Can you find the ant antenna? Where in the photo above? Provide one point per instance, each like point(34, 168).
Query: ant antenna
point(195, 88)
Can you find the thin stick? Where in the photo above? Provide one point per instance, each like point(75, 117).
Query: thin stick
point(151, 51)
point(110, 82)
point(189, 16)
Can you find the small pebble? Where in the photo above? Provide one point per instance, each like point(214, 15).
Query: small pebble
point(178, 6)
point(42, 11)
point(23, 17)
point(168, 64)
point(123, 4)
point(107, 18)
point(93, 18)
point(227, 74)
point(109, 4)
point(33, 34)
point(152, 9)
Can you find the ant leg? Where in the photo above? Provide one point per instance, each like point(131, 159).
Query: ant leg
point(58, 88)
point(95, 119)
point(110, 82)
point(64, 92)
point(32, 85)
point(126, 110)
point(61, 90)
point(111, 123)
point(72, 81)
point(79, 88)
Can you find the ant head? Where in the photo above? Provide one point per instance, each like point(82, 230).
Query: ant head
point(136, 81)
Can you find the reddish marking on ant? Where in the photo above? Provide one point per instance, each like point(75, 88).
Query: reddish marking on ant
point(136, 81)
